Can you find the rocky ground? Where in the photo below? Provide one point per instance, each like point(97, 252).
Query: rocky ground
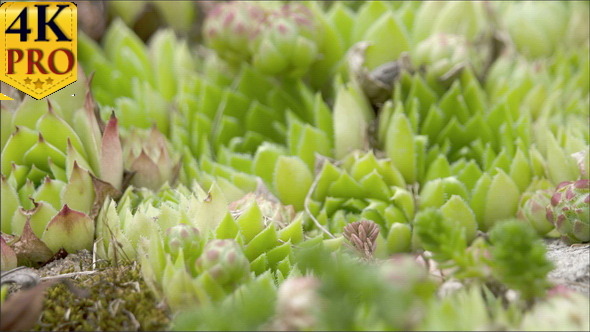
point(572, 265)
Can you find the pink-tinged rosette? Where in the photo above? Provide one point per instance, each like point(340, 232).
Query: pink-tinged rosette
point(568, 210)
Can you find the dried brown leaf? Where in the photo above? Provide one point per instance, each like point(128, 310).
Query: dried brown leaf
point(102, 191)
point(21, 311)
point(378, 83)
point(29, 249)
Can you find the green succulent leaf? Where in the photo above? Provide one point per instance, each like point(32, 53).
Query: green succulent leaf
point(292, 180)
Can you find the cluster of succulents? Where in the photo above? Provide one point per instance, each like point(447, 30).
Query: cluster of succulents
point(55, 174)
point(138, 81)
point(355, 156)
point(193, 245)
point(275, 39)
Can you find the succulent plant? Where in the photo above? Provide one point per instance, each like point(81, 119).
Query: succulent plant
point(224, 262)
point(150, 157)
point(230, 28)
point(272, 210)
point(69, 229)
point(532, 208)
point(583, 161)
point(137, 80)
point(532, 40)
point(441, 51)
point(526, 271)
point(473, 307)
point(439, 236)
point(267, 243)
point(561, 311)
point(404, 270)
point(252, 303)
point(494, 199)
point(219, 149)
point(277, 40)
point(352, 117)
point(185, 240)
point(303, 148)
point(450, 17)
point(55, 173)
point(568, 210)
point(288, 42)
point(364, 187)
point(121, 226)
point(297, 301)
point(166, 231)
point(443, 56)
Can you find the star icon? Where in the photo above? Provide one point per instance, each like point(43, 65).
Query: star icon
point(49, 81)
point(38, 84)
point(27, 81)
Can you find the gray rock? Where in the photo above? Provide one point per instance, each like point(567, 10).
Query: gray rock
point(572, 265)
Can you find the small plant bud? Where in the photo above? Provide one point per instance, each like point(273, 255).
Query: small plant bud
point(363, 236)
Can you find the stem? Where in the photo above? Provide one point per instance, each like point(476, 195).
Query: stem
point(67, 275)
point(306, 206)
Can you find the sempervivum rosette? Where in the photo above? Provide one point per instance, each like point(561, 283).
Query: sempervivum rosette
point(222, 139)
point(150, 157)
point(56, 173)
point(231, 27)
point(225, 262)
point(568, 210)
point(278, 40)
point(368, 188)
point(288, 42)
point(532, 208)
point(444, 55)
point(442, 52)
point(568, 27)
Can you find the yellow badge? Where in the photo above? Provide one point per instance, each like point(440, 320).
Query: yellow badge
point(39, 46)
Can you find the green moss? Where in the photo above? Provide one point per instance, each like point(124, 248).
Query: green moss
point(118, 300)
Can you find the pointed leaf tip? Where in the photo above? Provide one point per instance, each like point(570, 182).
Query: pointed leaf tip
point(9, 260)
point(111, 159)
point(69, 229)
